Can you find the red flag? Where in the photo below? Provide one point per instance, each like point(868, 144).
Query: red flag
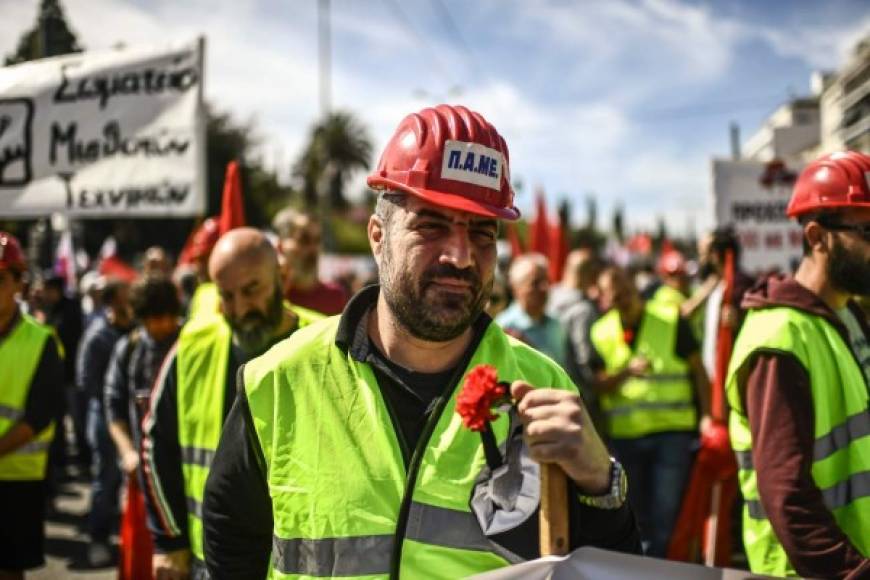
point(540, 236)
point(558, 250)
point(135, 546)
point(704, 524)
point(232, 208)
point(515, 241)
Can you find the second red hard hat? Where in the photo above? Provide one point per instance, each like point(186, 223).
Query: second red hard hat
point(11, 255)
point(835, 181)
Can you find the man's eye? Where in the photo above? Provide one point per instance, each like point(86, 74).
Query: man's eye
point(483, 235)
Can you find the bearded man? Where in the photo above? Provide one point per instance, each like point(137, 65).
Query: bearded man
point(799, 388)
point(194, 390)
point(343, 455)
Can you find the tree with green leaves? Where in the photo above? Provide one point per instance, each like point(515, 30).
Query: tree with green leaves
point(50, 36)
point(338, 145)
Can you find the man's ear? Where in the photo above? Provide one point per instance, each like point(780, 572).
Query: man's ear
point(375, 231)
point(816, 237)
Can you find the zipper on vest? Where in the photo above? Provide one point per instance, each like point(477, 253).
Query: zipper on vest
point(414, 468)
point(410, 483)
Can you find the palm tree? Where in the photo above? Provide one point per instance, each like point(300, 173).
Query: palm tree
point(338, 145)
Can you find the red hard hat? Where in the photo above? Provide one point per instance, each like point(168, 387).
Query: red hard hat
point(205, 238)
point(451, 157)
point(671, 263)
point(11, 256)
point(836, 181)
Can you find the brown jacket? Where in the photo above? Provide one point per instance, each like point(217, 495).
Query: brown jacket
point(779, 406)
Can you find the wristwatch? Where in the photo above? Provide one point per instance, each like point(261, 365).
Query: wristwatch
point(615, 497)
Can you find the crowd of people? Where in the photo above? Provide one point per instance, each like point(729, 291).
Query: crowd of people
point(276, 423)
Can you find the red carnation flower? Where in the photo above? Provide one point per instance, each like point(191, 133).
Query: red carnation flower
point(480, 393)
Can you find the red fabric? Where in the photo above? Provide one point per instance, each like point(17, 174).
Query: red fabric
point(540, 234)
point(640, 244)
point(480, 392)
point(136, 547)
point(558, 250)
point(714, 465)
point(724, 344)
point(514, 238)
point(232, 209)
point(325, 297)
point(115, 267)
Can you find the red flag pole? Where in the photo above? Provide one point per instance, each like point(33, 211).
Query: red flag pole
point(724, 344)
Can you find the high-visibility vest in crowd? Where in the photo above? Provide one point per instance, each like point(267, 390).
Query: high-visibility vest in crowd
point(205, 301)
point(668, 295)
point(841, 410)
point(202, 363)
point(20, 353)
point(663, 399)
point(343, 503)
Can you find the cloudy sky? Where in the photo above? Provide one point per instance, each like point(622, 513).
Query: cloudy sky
point(626, 99)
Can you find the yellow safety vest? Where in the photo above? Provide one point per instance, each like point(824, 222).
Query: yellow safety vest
point(660, 401)
point(20, 353)
point(202, 362)
point(205, 301)
point(343, 503)
point(841, 409)
point(668, 295)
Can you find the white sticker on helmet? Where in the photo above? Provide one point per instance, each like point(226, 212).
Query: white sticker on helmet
point(472, 163)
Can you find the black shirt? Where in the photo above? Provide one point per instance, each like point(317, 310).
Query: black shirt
point(237, 510)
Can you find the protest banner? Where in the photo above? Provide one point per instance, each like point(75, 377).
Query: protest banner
point(753, 196)
point(115, 133)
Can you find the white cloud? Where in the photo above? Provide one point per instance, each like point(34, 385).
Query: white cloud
point(823, 46)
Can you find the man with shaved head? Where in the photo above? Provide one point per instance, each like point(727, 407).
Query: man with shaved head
point(195, 388)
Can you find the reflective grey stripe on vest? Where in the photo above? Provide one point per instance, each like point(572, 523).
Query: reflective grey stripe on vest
point(194, 507)
point(756, 510)
point(439, 526)
point(33, 447)
point(327, 557)
point(837, 496)
point(845, 492)
point(10, 413)
point(656, 405)
point(744, 459)
point(358, 556)
point(197, 456)
point(853, 428)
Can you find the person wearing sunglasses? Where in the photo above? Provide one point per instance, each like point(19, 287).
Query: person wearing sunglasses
point(799, 388)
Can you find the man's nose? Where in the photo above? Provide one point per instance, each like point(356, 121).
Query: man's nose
point(457, 249)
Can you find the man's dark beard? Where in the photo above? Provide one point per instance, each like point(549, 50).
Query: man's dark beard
point(255, 330)
point(431, 316)
point(849, 272)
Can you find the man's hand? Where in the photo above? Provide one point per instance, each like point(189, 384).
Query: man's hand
point(705, 424)
point(171, 565)
point(130, 462)
point(638, 366)
point(729, 316)
point(557, 429)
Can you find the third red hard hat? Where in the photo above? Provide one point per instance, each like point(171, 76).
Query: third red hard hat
point(835, 181)
point(451, 157)
point(11, 255)
point(671, 263)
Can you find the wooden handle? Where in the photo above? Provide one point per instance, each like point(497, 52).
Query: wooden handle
point(712, 531)
point(554, 510)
